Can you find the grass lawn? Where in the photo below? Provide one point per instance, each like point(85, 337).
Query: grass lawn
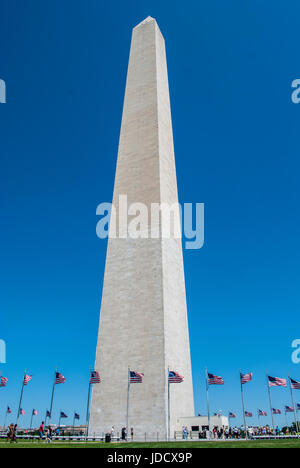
point(288, 443)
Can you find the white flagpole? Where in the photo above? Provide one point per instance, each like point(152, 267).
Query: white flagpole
point(88, 405)
point(207, 402)
point(243, 405)
point(52, 396)
point(21, 396)
point(271, 409)
point(73, 423)
point(127, 414)
point(31, 419)
point(286, 419)
point(293, 404)
point(5, 419)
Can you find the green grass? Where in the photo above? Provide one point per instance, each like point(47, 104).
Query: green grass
point(288, 443)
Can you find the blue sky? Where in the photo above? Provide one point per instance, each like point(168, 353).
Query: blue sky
point(236, 135)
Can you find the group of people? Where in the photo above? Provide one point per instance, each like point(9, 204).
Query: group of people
point(44, 433)
point(237, 433)
point(112, 433)
point(124, 433)
point(12, 433)
point(266, 430)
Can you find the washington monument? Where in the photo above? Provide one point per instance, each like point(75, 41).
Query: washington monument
point(143, 318)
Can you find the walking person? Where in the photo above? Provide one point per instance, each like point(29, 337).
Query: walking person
point(14, 434)
point(49, 435)
point(41, 432)
point(10, 432)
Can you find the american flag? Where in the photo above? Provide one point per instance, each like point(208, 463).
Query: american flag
point(232, 415)
point(248, 414)
point(215, 380)
point(76, 416)
point(174, 377)
point(246, 377)
point(298, 407)
point(276, 411)
point(262, 413)
point(26, 379)
point(295, 385)
point(276, 382)
point(8, 410)
point(59, 378)
point(63, 415)
point(35, 412)
point(22, 412)
point(289, 409)
point(95, 377)
point(135, 377)
point(3, 381)
point(48, 414)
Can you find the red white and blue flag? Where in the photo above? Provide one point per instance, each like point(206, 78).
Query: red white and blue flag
point(76, 416)
point(26, 379)
point(215, 380)
point(63, 415)
point(232, 415)
point(276, 382)
point(289, 409)
point(8, 410)
point(34, 412)
point(298, 407)
point(276, 411)
point(3, 381)
point(59, 378)
point(248, 414)
point(174, 377)
point(262, 413)
point(22, 412)
point(135, 377)
point(295, 385)
point(95, 377)
point(246, 377)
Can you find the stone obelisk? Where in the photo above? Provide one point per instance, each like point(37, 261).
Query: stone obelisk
point(143, 319)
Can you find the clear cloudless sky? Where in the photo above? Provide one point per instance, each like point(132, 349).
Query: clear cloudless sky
point(236, 135)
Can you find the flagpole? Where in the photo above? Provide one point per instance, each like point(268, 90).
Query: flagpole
point(207, 402)
point(270, 400)
point(169, 409)
point(46, 418)
point(21, 397)
point(5, 418)
point(74, 423)
point(88, 405)
point(59, 419)
point(52, 396)
point(31, 420)
point(293, 404)
point(243, 405)
point(127, 413)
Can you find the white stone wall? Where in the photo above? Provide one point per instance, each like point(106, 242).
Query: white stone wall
point(143, 319)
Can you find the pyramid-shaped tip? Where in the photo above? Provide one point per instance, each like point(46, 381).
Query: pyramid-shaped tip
point(145, 21)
